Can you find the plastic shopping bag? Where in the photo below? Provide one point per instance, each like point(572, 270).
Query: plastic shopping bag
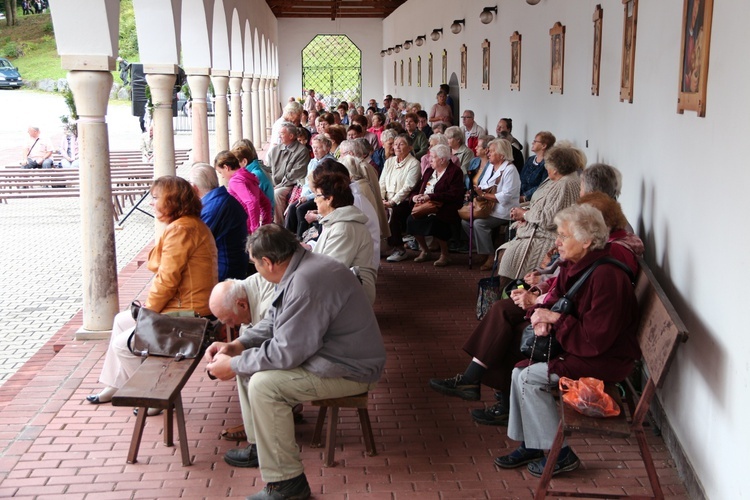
point(587, 396)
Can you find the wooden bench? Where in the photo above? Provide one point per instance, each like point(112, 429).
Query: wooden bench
point(157, 384)
point(360, 403)
point(660, 332)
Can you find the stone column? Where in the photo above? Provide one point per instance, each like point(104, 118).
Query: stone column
point(235, 85)
point(275, 99)
point(220, 79)
point(262, 112)
point(198, 81)
point(269, 110)
point(257, 140)
point(99, 262)
point(162, 89)
point(247, 116)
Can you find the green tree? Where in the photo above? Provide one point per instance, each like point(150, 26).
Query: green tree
point(128, 35)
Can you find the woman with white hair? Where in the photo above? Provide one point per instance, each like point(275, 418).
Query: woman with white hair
point(457, 142)
point(295, 215)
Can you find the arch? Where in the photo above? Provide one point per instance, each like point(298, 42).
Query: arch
point(263, 57)
point(195, 35)
point(236, 50)
point(256, 54)
point(249, 48)
point(220, 38)
point(332, 65)
point(157, 23)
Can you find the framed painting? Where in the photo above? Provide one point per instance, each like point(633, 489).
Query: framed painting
point(557, 58)
point(595, 65)
point(429, 70)
point(445, 66)
point(419, 71)
point(395, 79)
point(630, 24)
point(409, 80)
point(402, 72)
point(515, 61)
point(696, 38)
point(486, 64)
point(464, 63)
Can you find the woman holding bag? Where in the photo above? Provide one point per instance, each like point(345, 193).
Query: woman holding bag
point(500, 185)
point(185, 262)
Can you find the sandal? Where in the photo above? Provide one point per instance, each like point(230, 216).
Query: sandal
point(236, 433)
point(520, 456)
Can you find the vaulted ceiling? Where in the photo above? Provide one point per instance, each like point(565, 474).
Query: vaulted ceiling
point(334, 9)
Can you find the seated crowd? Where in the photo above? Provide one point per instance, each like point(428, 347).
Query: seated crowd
point(294, 243)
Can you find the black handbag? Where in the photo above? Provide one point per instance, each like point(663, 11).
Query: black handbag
point(543, 349)
point(164, 335)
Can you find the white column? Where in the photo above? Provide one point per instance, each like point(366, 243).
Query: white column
point(198, 81)
point(247, 116)
point(257, 139)
point(262, 112)
point(99, 262)
point(220, 79)
point(162, 90)
point(275, 99)
point(235, 86)
point(269, 109)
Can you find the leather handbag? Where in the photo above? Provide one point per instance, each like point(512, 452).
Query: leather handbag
point(422, 210)
point(482, 208)
point(164, 335)
point(488, 292)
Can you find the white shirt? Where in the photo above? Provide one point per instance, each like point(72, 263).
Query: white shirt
point(508, 188)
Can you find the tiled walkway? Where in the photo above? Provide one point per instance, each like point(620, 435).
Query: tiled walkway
point(55, 445)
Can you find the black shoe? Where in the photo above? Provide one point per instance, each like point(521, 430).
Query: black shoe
point(499, 396)
point(567, 462)
point(242, 457)
point(151, 412)
point(456, 387)
point(496, 414)
point(520, 456)
point(296, 488)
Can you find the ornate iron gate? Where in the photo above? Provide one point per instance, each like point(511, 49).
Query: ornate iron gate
point(332, 66)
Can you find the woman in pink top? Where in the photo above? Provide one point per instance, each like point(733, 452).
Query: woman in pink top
point(244, 186)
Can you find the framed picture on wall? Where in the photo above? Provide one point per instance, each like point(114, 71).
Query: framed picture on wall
point(464, 63)
point(557, 58)
point(402, 72)
point(696, 38)
point(486, 64)
point(429, 70)
point(630, 23)
point(419, 71)
point(410, 72)
point(595, 69)
point(395, 79)
point(445, 66)
point(515, 61)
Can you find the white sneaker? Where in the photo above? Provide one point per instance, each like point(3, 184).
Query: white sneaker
point(397, 256)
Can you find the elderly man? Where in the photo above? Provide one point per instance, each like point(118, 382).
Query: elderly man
point(296, 353)
point(288, 162)
point(226, 219)
point(387, 100)
point(292, 113)
point(471, 129)
point(309, 105)
point(37, 152)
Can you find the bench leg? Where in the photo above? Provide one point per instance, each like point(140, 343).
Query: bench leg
point(135, 441)
point(331, 436)
point(648, 462)
point(181, 431)
point(364, 421)
point(541, 489)
point(169, 426)
point(315, 443)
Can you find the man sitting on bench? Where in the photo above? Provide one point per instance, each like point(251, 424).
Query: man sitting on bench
point(37, 153)
point(319, 340)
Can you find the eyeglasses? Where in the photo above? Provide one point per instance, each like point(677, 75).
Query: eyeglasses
point(563, 237)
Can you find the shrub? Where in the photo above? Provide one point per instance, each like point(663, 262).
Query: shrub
point(12, 50)
point(48, 27)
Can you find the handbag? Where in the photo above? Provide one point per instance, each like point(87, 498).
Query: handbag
point(422, 210)
point(482, 208)
point(488, 292)
point(543, 349)
point(179, 337)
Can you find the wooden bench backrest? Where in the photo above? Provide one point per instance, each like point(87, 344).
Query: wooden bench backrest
point(660, 330)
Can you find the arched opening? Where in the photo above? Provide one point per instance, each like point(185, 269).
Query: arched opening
point(332, 66)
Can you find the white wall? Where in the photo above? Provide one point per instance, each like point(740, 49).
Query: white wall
point(684, 177)
point(295, 34)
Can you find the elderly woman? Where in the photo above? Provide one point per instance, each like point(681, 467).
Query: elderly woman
point(534, 173)
point(364, 175)
point(245, 187)
point(433, 141)
point(441, 111)
point(598, 339)
point(534, 223)
point(378, 126)
point(184, 260)
point(480, 160)
point(380, 155)
point(295, 215)
point(443, 185)
point(501, 174)
point(602, 178)
point(457, 143)
point(400, 175)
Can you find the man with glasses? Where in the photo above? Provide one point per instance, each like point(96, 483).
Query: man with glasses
point(472, 130)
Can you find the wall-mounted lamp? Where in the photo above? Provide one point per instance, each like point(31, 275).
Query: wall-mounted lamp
point(420, 40)
point(456, 26)
point(390, 50)
point(383, 53)
point(397, 48)
point(407, 44)
point(532, 2)
point(436, 33)
point(486, 15)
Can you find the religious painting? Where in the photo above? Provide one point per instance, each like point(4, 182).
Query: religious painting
point(630, 24)
point(402, 72)
point(595, 66)
point(557, 58)
point(696, 36)
point(445, 66)
point(409, 72)
point(486, 64)
point(463, 66)
point(419, 71)
point(515, 61)
point(429, 70)
point(395, 75)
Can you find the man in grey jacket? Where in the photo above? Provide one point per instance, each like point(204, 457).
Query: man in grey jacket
point(319, 339)
point(288, 161)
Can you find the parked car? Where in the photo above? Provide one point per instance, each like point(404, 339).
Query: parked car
point(185, 110)
point(9, 75)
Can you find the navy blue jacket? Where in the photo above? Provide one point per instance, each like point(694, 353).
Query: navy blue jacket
point(226, 218)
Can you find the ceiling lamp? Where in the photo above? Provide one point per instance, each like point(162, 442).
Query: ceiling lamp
point(435, 35)
point(397, 48)
point(420, 40)
point(456, 26)
point(407, 44)
point(486, 15)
